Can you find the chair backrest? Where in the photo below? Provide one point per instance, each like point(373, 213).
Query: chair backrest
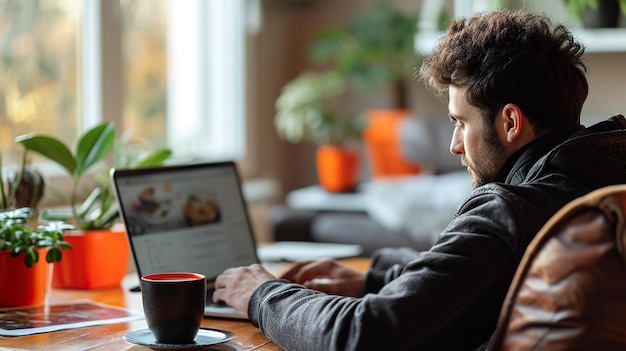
point(569, 292)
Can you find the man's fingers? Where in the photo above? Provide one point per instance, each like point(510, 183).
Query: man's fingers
point(314, 269)
point(218, 295)
point(294, 269)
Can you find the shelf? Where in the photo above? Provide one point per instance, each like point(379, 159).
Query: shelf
point(595, 40)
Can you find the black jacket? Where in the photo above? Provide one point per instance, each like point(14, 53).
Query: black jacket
point(449, 298)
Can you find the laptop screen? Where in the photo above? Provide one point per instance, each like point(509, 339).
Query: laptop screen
point(185, 218)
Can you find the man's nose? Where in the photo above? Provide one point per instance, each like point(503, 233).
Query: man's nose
point(456, 144)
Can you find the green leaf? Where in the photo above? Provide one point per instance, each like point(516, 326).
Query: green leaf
point(578, 7)
point(55, 229)
point(154, 158)
point(89, 202)
point(32, 256)
point(56, 214)
point(45, 242)
point(106, 219)
point(64, 245)
point(93, 146)
point(331, 42)
point(54, 255)
point(49, 147)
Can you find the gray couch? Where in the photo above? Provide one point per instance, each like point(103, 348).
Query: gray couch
point(400, 212)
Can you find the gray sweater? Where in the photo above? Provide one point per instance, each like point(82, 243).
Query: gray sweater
point(449, 297)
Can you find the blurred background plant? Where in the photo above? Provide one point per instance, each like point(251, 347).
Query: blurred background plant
point(306, 110)
point(597, 13)
point(368, 50)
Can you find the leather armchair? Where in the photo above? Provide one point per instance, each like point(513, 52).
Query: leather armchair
point(569, 292)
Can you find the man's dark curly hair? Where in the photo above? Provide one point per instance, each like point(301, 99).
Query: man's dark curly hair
point(512, 57)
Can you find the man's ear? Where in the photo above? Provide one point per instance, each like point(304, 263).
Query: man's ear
point(515, 126)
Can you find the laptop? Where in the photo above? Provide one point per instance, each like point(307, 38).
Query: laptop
point(187, 218)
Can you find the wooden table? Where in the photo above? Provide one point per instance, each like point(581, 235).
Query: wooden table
point(110, 337)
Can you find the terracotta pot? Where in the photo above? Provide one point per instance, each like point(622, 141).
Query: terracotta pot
point(383, 144)
point(20, 285)
point(98, 259)
point(337, 168)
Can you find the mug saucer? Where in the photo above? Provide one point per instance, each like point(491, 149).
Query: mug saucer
point(205, 337)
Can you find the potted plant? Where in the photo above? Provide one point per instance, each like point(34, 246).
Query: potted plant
point(24, 239)
point(100, 254)
point(369, 50)
point(24, 275)
point(305, 112)
point(597, 13)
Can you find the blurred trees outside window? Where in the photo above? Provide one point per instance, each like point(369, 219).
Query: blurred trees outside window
point(38, 70)
point(180, 67)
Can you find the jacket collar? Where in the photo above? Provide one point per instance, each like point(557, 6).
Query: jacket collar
point(518, 165)
point(610, 131)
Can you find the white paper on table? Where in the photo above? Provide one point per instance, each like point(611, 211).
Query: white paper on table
point(27, 320)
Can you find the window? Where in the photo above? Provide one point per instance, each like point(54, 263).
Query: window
point(206, 65)
point(38, 88)
point(170, 72)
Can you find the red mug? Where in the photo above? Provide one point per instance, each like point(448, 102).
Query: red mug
point(173, 303)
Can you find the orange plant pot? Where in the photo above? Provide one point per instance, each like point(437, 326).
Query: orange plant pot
point(98, 259)
point(383, 144)
point(20, 285)
point(337, 168)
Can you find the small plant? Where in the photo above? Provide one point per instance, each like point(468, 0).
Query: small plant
point(17, 236)
point(98, 210)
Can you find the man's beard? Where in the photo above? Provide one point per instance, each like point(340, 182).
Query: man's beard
point(491, 155)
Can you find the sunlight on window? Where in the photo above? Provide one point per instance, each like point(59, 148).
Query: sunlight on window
point(206, 105)
point(180, 65)
point(144, 50)
point(38, 89)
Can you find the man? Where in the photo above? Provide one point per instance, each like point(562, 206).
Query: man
point(516, 85)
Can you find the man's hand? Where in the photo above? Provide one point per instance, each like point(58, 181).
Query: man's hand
point(328, 276)
point(236, 285)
